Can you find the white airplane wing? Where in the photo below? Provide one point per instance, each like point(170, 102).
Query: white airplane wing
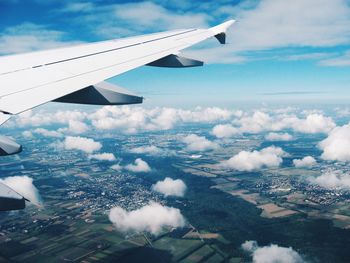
point(77, 74)
point(29, 80)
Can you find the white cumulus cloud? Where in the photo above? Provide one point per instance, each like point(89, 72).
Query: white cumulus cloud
point(332, 179)
point(249, 161)
point(152, 218)
point(261, 121)
point(314, 123)
point(77, 126)
point(154, 150)
point(271, 253)
point(103, 157)
point(225, 131)
point(273, 136)
point(48, 133)
point(81, 143)
point(139, 166)
point(170, 187)
point(199, 143)
point(336, 146)
point(307, 161)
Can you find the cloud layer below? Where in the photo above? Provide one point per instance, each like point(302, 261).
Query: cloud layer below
point(170, 187)
point(249, 161)
point(271, 253)
point(151, 218)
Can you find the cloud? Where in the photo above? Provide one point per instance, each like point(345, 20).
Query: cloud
point(261, 121)
point(81, 143)
point(336, 146)
point(296, 23)
point(139, 166)
point(28, 37)
point(103, 157)
point(152, 218)
point(170, 187)
point(314, 123)
point(153, 150)
point(134, 119)
point(257, 122)
point(48, 133)
point(117, 167)
point(24, 186)
point(151, 15)
point(27, 134)
point(78, 7)
point(124, 19)
point(271, 253)
point(199, 143)
point(42, 118)
point(285, 24)
point(249, 161)
point(273, 136)
point(342, 60)
point(332, 179)
point(307, 161)
point(224, 131)
point(77, 127)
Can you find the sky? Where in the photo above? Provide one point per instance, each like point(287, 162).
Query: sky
point(278, 51)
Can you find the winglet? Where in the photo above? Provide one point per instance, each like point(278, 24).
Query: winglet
point(220, 30)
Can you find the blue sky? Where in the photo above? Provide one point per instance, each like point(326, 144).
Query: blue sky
point(279, 51)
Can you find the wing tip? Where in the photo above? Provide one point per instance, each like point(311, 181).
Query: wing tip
point(223, 27)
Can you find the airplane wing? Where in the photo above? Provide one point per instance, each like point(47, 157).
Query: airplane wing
point(29, 80)
point(10, 199)
point(77, 74)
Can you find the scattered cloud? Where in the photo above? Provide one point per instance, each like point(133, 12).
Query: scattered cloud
point(117, 167)
point(271, 253)
point(261, 121)
point(139, 166)
point(225, 131)
point(103, 157)
point(336, 146)
point(24, 186)
point(124, 19)
point(281, 25)
point(86, 145)
point(152, 218)
point(332, 179)
point(42, 118)
point(314, 123)
point(27, 134)
point(153, 150)
point(170, 187)
point(199, 143)
point(48, 133)
point(28, 37)
point(307, 161)
point(342, 60)
point(273, 136)
point(77, 127)
point(132, 120)
point(128, 120)
point(249, 161)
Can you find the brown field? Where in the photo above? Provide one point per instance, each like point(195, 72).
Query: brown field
point(271, 210)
